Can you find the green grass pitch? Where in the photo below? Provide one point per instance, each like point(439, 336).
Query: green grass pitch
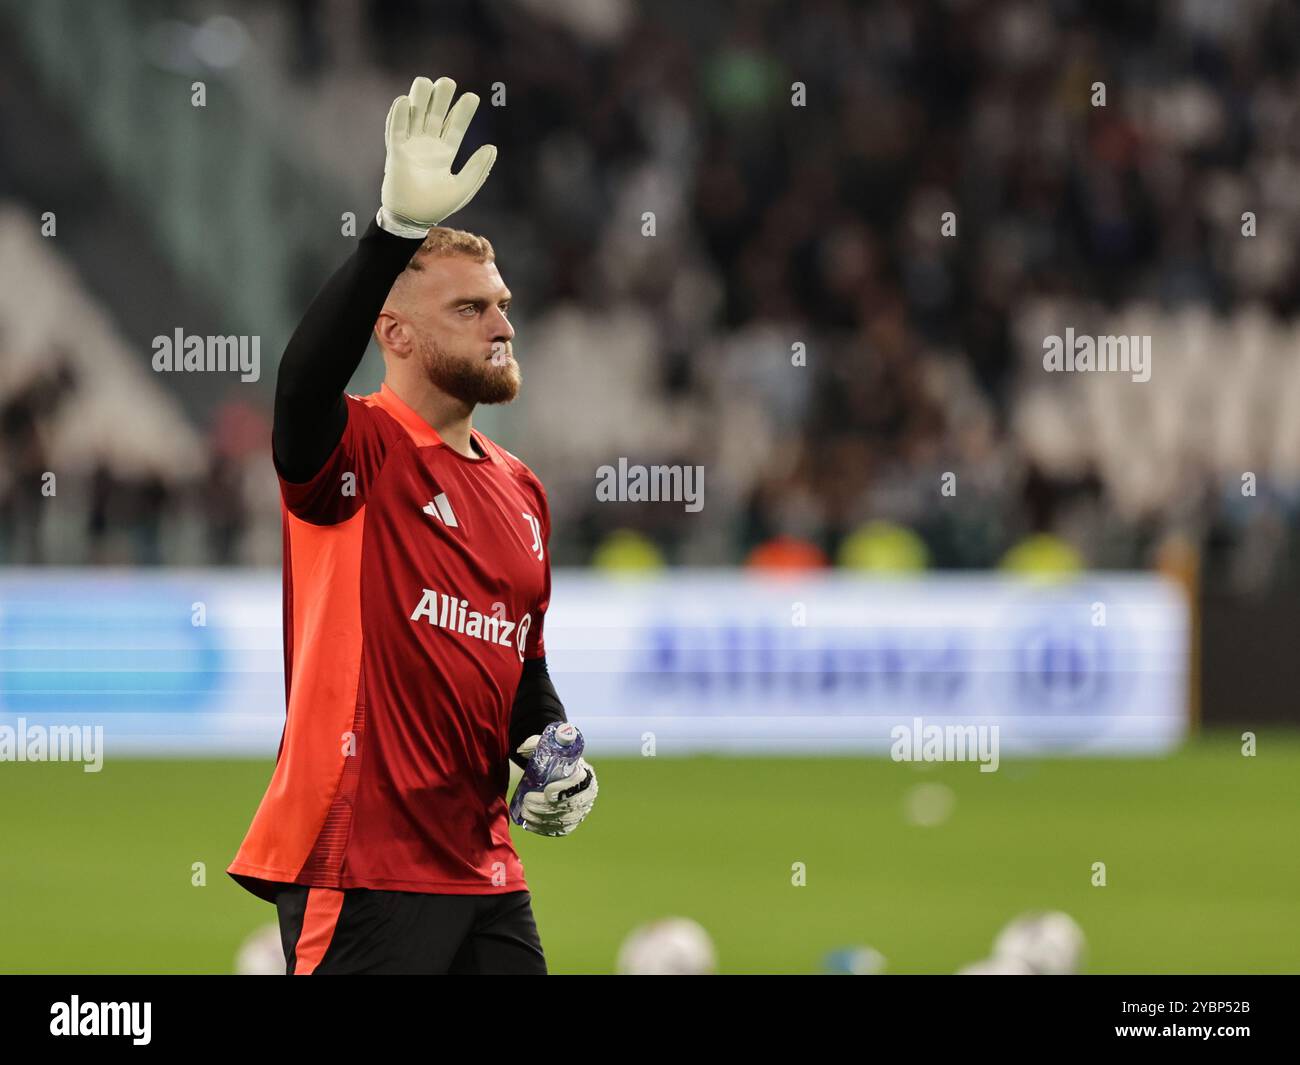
point(1202, 866)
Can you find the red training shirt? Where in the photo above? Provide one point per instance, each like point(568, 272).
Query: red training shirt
point(415, 582)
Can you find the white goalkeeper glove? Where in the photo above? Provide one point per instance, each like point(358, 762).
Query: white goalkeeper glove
point(562, 805)
point(422, 137)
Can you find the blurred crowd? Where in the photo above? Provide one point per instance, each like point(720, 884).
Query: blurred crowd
point(813, 248)
point(111, 513)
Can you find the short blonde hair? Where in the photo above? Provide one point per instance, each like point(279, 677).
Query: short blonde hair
point(443, 240)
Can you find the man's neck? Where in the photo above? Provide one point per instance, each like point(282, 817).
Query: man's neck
point(449, 417)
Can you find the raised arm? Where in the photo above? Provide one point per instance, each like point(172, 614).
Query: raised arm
point(326, 349)
point(422, 135)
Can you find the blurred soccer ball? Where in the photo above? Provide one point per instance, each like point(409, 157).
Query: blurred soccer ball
point(1050, 944)
point(996, 967)
point(673, 946)
point(854, 961)
point(928, 805)
point(261, 954)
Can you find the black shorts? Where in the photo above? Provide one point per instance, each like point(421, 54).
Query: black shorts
point(328, 931)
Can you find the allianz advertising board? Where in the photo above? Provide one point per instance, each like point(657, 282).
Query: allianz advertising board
point(191, 662)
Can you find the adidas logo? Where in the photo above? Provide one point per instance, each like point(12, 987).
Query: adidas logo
point(439, 507)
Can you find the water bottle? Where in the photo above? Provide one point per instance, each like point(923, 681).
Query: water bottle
point(557, 753)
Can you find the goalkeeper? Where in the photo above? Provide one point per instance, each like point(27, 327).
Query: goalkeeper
point(416, 580)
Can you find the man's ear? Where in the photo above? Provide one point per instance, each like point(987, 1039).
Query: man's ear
point(392, 334)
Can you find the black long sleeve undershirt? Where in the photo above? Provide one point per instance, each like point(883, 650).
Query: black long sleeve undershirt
point(536, 705)
point(311, 413)
point(326, 349)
